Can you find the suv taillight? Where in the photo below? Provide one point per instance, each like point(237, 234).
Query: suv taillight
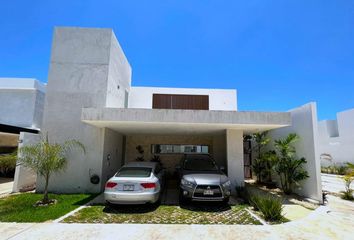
point(111, 184)
point(148, 185)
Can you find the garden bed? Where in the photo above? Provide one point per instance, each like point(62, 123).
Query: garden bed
point(294, 207)
point(21, 207)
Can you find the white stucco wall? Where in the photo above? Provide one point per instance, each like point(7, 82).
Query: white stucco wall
point(336, 138)
point(234, 155)
point(219, 99)
point(25, 178)
point(304, 124)
point(112, 154)
point(83, 68)
point(22, 102)
point(119, 76)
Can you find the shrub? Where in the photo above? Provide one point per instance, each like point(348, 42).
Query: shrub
point(334, 169)
point(8, 164)
point(348, 179)
point(271, 207)
point(289, 168)
point(254, 201)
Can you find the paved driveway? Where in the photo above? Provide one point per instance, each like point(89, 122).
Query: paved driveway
point(6, 185)
point(334, 221)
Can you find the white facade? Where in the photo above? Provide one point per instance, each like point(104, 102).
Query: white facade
point(22, 102)
point(219, 99)
point(304, 124)
point(336, 139)
point(90, 98)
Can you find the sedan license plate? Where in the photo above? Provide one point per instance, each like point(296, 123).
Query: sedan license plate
point(208, 192)
point(128, 187)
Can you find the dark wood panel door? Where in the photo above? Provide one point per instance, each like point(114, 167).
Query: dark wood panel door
point(162, 101)
point(174, 101)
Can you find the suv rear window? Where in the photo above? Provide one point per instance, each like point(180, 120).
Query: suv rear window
point(134, 172)
point(199, 163)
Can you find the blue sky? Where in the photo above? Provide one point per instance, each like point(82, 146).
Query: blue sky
point(277, 54)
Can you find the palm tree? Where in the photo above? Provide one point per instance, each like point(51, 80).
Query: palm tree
point(289, 168)
point(46, 158)
point(260, 141)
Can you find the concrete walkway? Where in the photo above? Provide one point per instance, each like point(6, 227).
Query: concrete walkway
point(6, 185)
point(333, 183)
point(334, 221)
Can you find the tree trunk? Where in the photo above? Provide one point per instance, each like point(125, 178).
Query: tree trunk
point(45, 197)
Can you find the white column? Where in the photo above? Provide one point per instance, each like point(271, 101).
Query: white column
point(234, 154)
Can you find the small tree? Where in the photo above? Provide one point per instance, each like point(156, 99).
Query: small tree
point(260, 141)
point(348, 179)
point(270, 160)
point(289, 168)
point(46, 158)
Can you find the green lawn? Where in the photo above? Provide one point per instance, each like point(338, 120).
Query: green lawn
point(20, 207)
point(163, 215)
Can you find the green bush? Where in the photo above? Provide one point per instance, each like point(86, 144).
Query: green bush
point(348, 179)
point(347, 195)
point(335, 169)
point(254, 201)
point(270, 207)
point(8, 164)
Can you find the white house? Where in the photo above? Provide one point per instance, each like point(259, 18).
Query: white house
point(21, 114)
point(22, 102)
point(90, 98)
point(336, 139)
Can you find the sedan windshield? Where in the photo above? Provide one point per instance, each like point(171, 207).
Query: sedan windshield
point(199, 163)
point(134, 172)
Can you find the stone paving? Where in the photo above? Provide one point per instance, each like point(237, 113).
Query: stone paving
point(189, 214)
point(334, 221)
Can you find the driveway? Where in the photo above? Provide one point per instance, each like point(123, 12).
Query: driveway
point(334, 221)
point(6, 185)
point(333, 183)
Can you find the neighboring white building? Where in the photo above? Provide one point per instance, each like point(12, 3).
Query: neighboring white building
point(336, 139)
point(90, 98)
point(22, 102)
point(21, 115)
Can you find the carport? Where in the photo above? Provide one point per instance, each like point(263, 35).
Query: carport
point(221, 131)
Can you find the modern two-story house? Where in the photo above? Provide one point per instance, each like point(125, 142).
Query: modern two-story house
point(90, 98)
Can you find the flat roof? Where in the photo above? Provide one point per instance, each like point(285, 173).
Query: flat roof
point(22, 83)
point(168, 121)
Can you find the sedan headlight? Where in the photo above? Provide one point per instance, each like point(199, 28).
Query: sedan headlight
point(226, 184)
point(186, 183)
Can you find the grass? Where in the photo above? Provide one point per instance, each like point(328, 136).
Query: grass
point(20, 207)
point(163, 215)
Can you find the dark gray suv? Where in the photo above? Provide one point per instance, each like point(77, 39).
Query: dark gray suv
point(202, 180)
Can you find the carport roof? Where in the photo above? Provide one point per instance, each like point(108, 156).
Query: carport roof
point(171, 121)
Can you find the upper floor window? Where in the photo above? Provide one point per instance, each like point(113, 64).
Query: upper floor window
point(178, 148)
point(176, 101)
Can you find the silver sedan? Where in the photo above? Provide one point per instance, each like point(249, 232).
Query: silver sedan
point(135, 183)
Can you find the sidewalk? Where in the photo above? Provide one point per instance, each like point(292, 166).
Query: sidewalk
point(334, 221)
point(6, 185)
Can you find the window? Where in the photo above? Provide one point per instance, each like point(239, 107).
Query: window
point(175, 101)
point(134, 172)
point(178, 148)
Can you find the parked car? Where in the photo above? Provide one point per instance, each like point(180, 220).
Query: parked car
point(136, 183)
point(202, 180)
